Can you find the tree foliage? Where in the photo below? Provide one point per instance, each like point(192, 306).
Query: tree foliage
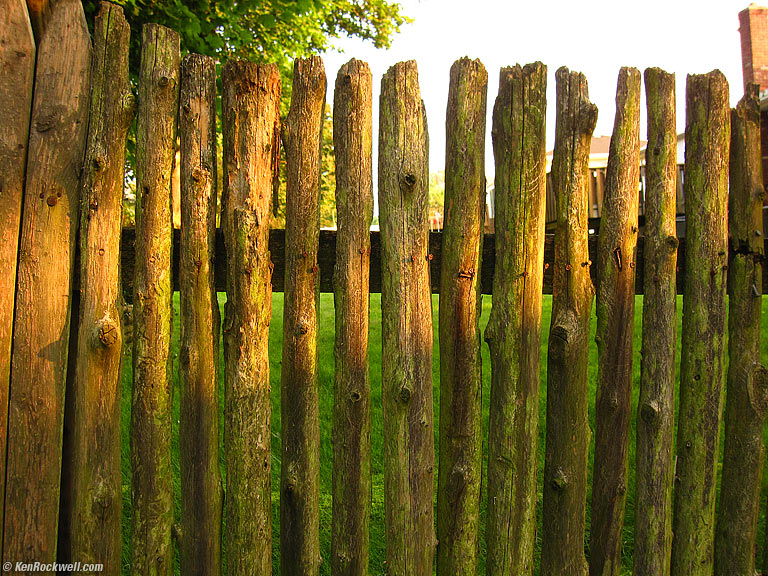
point(261, 30)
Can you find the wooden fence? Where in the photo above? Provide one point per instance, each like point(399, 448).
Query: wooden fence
point(67, 107)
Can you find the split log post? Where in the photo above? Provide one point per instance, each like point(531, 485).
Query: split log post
point(251, 122)
point(461, 383)
point(514, 328)
point(151, 407)
point(406, 316)
point(353, 145)
point(201, 490)
point(96, 510)
point(615, 303)
point(45, 272)
point(656, 407)
point(702, 369)
point(300, 393)
point(17, 60)
point(568, 432)
point(747, 396)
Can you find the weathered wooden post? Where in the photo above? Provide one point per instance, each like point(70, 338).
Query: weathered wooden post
point(702, 369)
point(201, 489)
point(514, 328)
point(615, 303)
point(96, 512)
point(461, 384)
point(567, 436)
point(656, 408)
point(353, 144)
point(406, 316)
point(48, 235)
point(17, 60)
point(747, 399)
point(251, 121)
point(300, 406)
point(152, 483)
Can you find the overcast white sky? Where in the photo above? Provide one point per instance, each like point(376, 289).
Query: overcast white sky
point(595, 37)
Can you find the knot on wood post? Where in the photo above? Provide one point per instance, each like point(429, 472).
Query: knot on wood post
point(409, 181)
point(756, 379)
point(559, 481)
point(107, 331)
point(649, 412)
point(405, 394)
point(99, 163)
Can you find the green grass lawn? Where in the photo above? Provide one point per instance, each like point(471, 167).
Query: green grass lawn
point(326, 362)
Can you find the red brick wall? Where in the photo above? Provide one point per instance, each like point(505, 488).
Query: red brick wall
point(753, 27)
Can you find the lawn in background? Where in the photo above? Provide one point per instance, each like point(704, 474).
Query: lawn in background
point(326, 367)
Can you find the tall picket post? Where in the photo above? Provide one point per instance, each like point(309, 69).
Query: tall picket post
point(96, 501)
point(45, 273)
point(201, 489)
point(152, 403)
point(406, 316)
point(461, 383)
point(251, 123)
point(300, 392)
point(514, 328)
point(17, 60)
point(353, 146)
point(615, 304)
point(568, 432)
point(747, 393)
point(702, 368)
point(655, 468)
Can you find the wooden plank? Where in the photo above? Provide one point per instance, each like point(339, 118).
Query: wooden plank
point(461, 383)
point(151, 406)
point(96, 500)
point(514, 328)
point(300, 387)
point(46, 264)
point(17, 61)
point(615, 307)
point(201, 490)
point(656, 410)
point(567, 434)
point(702, 367)
point(251, 126)
point(747, 399)
point(353, 144)
point(406, 317)
point(327, 261)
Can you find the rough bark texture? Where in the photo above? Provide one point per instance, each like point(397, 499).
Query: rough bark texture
point(514, 327)
point(747, 398)
point(615, 303)
point(406, 315)
point(44, 286)
point(17, 61)
point(152, 485)
point(300, 393)
point(201, 491)
point(656, 408)
point(461, 384)
point(702, 369)
point(353, 144)
point(251, 122)
point(96, 510)
point(565, 465)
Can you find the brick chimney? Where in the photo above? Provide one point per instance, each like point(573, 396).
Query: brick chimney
point(753, 27)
